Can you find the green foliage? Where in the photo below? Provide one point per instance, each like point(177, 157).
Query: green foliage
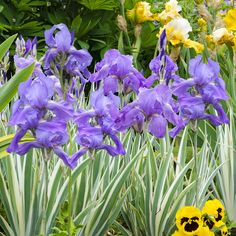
point(99, 4)
point(4, 47)
point(9, 89)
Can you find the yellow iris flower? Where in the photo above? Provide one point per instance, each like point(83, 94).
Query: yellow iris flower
point(141, 13)
point(230, 19)
point(177, 32)
point(171, 11)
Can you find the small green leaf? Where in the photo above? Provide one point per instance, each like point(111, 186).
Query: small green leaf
point(8, 91)
point(4, 47)
point(99, 4)
point(6, 140)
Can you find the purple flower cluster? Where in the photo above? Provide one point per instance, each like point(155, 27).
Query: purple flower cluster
point(203, 91)
point(44, 110)
point(117, 73)
point(37, 113)
point(98, 125)
point(62, 56)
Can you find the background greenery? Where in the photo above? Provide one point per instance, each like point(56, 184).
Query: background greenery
point(138, 194)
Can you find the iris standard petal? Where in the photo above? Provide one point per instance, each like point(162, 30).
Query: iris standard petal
point(157, 126)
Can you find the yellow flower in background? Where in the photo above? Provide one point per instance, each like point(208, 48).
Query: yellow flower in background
point(234, 41)
point(221, 36)
point(171, 11)
point(198, 47)
point(177, 30)
point(177, 33)
point(230, 19)
point(202, 24)
point(188, 220)
point(141, 13)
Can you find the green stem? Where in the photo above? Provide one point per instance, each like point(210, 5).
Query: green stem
point(126, 32)
point(233, 76)
point(69, 202)
point(137, 45)
point(45, 169)
point(156, 49)
point(195, 130)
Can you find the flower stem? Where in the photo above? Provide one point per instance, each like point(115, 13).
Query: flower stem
point(45, 170)
point(195, 130)
point(69, 202)
point(156, 49)
point(137, 46)
point(125, 32)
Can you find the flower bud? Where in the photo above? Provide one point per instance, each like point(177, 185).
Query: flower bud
point(204, 12)
point(122, 24)
point(174, 55)
point(137, 30)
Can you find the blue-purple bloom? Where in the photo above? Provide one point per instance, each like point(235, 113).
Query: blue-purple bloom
point(154, 106)
point(204, 89)
point(63, 55)
point(37, 113)
point(26, 53)
point(98, 125)
point(117, 70)
point(163, 68)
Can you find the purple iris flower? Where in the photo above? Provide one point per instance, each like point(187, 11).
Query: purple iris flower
point(156, 67)
point(154, 106)
point(45, 119)
point(163, 67)
point(61, 52)
point(98, 125)
point(26, 53)
point(116, 69)
point(204, 89)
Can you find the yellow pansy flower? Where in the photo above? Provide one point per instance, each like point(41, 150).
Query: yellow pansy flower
point(214, 208)
point(224, 231)
point(177, 233)
point(213, 212)
point(204, 231)
point(230, 19)
point(188, 220)
point(141, 13)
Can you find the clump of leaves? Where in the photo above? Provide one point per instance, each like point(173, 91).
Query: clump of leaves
point(61, 228)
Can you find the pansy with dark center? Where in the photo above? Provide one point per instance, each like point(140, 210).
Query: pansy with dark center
point(213, 212)
point(188, 220)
